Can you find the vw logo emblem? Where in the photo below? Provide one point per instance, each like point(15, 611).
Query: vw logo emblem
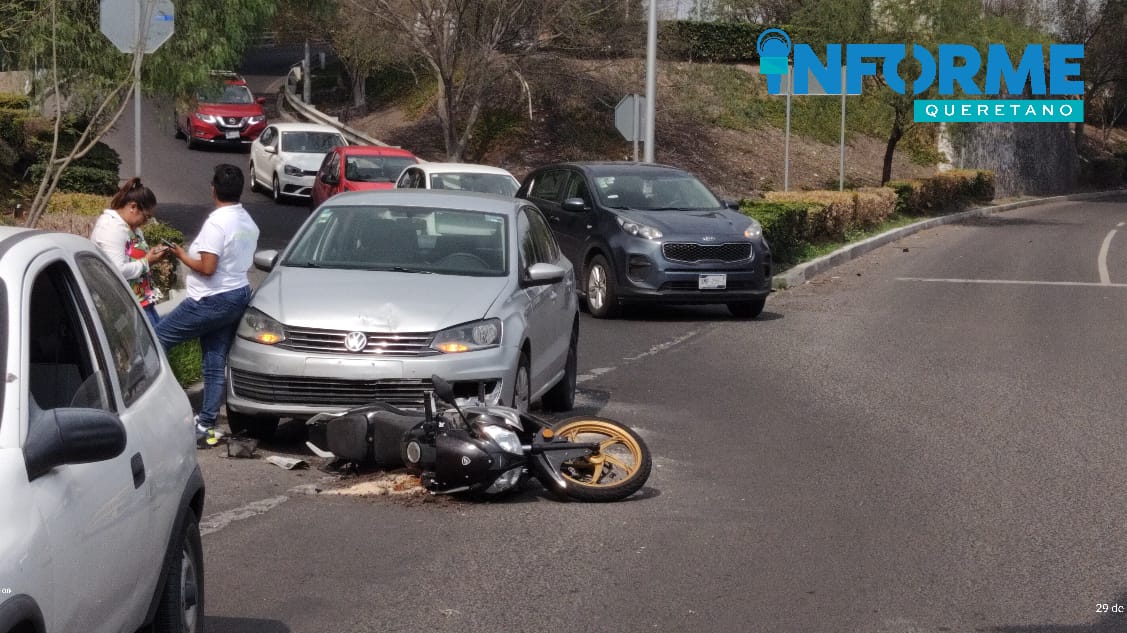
point(355, 341)
point(708, 238)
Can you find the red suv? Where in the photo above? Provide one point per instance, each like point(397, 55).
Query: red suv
point(223, 113)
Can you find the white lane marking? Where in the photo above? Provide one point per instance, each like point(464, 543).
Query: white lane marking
point(215, 522)
point(1016, 282)
point(593, 374)
point(1121, 224)
point(1101, 261)
point(661, 347)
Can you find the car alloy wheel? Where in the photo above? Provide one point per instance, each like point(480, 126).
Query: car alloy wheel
point(602, 297)
point(522, 389)
point(277, 190)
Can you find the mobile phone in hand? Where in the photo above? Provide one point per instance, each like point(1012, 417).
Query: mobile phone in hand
point(169, 244)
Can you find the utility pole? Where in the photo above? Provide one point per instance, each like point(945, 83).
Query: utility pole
point(651, 81)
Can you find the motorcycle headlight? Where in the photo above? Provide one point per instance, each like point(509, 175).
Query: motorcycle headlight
point(506, 439)
point(206, 118)
point(468, 337)
point(290, 170)
point(256, 326)
point(639, 230)
point(507, 480)
point(755, 231)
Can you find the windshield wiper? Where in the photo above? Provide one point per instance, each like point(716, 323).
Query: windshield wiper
point(401, 269)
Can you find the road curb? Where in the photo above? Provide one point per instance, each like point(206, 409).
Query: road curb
point(802, 273)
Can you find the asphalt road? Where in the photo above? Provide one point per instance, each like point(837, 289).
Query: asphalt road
point(925, 439)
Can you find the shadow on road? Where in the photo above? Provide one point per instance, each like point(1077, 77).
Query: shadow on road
point(244, 625)
point(690, 314)
point(995, 220)
point(1105, 623)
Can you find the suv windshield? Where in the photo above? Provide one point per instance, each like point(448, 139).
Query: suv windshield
point(226, 94)
point(403, 239)
point(657, 192)
point(310, 142)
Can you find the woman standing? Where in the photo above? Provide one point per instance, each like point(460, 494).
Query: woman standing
point(118, 234)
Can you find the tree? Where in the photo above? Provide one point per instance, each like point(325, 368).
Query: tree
point(90, 81)
point(468, 46)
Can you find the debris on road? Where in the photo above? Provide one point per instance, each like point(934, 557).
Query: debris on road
point(289, 463)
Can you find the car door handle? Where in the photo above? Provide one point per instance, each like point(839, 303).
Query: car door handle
point(138, 466)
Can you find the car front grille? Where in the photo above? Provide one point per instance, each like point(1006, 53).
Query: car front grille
point(691, 253)
point(233, 122)
point(334, 392)
point(382, 344)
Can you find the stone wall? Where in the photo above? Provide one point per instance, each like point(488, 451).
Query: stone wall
point(1026, 158)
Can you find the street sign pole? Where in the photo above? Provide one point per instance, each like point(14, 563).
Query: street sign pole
point(637, 112)
point(139, 53)
point(786, 136)
point(841, 177)
point(651, 81)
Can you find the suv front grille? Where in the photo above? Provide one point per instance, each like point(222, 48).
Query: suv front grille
point(692, 253)
point(334, 392)
point(232, 121)
point(332, 342)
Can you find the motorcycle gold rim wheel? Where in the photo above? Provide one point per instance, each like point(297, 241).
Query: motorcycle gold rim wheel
point(608, 467)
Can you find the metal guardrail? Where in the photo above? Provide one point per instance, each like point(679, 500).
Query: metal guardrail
point(316, 116)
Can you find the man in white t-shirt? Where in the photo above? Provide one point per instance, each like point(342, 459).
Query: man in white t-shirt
point(218, 289)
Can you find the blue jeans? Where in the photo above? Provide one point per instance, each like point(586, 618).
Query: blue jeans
point(151, 312)
point(213, 320)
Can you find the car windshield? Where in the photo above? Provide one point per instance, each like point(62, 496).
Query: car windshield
point(375, 168)
point(310, 142)
point(657, 192)
point(499, 184)
point(226, 94)
point(403, 239)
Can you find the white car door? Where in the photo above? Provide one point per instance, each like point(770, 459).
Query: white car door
point(260, 158)
point(98, 515)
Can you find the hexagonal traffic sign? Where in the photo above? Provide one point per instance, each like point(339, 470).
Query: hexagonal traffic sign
point(119, 23)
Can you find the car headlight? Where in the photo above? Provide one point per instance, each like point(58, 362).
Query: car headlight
point(253, 120)
point(639, 230)
point(206, 118)
point(290, 170)
point(468, 337)
point(256, 326)
point(754, 231)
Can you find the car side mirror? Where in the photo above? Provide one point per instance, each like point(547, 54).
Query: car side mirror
point(260, 100)
point(732, 204)
point(543, 274)
point(270, 149)
point(326, 178)
point(62, 436)
point(264, 260)
point(575, 205)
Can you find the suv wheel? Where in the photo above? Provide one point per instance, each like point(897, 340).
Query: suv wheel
point(181, 604)
point(602, 296)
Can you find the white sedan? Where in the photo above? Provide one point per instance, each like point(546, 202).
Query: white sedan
point(458, 177)
point(284, 159)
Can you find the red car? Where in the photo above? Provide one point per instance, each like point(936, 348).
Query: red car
point(359, 167)
point(224, 113)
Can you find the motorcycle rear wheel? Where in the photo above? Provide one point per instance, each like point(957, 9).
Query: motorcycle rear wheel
point(618, 470)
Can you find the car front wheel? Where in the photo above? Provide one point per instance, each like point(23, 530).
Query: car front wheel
point(522, 384)
point(181, 603)
point(276, 190)
point(602, 294)
point(254, 186)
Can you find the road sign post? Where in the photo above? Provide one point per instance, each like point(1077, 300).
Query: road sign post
point(629, 119)
point(138, 27)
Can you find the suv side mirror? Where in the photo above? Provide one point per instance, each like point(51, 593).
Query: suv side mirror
point(260, 100)
point(575, 205)
point(57, 437)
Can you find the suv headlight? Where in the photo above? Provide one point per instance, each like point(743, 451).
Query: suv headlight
point(256, 326)
point(638, 230)
point(755, 231)
point(206, 118)
point(468, 337)
point(290, 170)
point(253, 120)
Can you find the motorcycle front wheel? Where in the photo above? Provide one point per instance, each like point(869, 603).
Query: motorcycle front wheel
point(619, 468)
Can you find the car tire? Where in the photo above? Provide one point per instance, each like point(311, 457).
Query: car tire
point(191, 142)
point(176, 131)
point(254, 186)
point(522, 384)
point(259, 427)
point(602, 294)
point(561, 397)
point(747, 309)
point(276, 190)
point(181, 607)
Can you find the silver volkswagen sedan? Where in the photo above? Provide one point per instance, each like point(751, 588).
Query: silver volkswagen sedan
point(380, 290)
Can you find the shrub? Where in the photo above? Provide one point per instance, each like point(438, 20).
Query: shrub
point(78, 179)
point(832, 218)
point(942, 192)
point(872, 206)
point(1102, 172)
point(14, 101)
point(67, 223)
point(14, 125)
point(785, 225)
point(186, 361)
point(164, 271)
point(101, 156)
point(77, 203)
point(716, 41)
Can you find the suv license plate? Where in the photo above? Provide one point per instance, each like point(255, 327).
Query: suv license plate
point(712, 282)
point(232, 134)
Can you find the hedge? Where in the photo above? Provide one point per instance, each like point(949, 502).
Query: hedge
point(88, 204)
point(842, 211)
point(14, 101)
point(785, 225)
point(13, 126)
point(79, 179)
point(943, 192)
point(101, 156)
point(1103, 172)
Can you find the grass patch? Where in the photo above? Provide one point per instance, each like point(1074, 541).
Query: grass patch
point(186, 360)
point(810, 252)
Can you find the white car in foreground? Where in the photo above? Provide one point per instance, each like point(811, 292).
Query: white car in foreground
point(101, 493)
point(285, 158)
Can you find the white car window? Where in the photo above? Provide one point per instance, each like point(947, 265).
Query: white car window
point(135, 357)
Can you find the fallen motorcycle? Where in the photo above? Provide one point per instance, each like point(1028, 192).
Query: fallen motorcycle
point(490, 449)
